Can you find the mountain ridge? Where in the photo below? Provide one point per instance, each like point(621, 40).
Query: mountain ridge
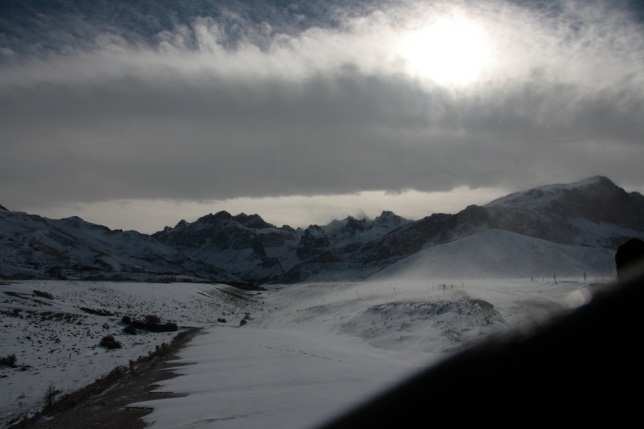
point(244, 249)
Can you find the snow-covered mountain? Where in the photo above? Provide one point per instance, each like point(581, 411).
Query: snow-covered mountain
point(591, 213)
point(499, 253)
point(247, 246)
point(32, 246)
point(566, 228)
point(255, 251)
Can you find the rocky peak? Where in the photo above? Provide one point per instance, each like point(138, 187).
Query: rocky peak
point(254, 221)
point(355, 225)
point(288, 228)
point(2, 208)
point(218, 217)
point(389, 218)
point(314, 236)
point(78, 222)
point(313, 241)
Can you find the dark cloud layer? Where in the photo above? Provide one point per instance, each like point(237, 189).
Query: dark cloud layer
point(37, 27)
point(306, 117)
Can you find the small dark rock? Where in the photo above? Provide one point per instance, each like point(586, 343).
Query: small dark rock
point(42, 294)
point(9, 361)
point(150, 323)
point(109, 343)
point(97, 311)
point(130, 330)
point(151, 319)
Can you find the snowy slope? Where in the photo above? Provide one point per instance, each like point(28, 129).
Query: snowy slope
point(591, 213)
point(498, 253)
point(58, 340)
point(319, 348)
point(596, 200)
point(36, 247)
point(541, 197)
point(308, 351)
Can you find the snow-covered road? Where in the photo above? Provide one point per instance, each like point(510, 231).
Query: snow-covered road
point(264, 378)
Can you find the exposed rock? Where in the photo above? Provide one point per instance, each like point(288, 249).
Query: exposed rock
point(110, 343)
point(130, 330)
point(8, 361)
point(42, 294)
point(150, 323)
point(96, 311)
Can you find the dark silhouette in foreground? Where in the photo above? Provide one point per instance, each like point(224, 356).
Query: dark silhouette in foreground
point(584, 366)
point(629, 256)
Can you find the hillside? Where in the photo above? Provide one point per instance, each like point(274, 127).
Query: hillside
point(32, 246)
point(574, 226)
point(498, 253)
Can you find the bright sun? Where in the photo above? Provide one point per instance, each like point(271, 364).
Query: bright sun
point(450, 51)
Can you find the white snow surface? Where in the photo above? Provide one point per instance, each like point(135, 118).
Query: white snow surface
point(314, 350)
point(499, 253)
point(307, 353)
point(59, 341)
point(541, 196)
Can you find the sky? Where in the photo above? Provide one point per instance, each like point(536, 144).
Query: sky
point(139, 114)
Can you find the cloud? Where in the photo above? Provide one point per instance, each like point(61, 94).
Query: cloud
point(189, 115)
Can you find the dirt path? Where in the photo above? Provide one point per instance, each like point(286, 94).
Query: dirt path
point(103, 404)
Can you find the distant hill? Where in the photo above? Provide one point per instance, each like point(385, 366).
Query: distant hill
point(565, 228)
point(499, 253)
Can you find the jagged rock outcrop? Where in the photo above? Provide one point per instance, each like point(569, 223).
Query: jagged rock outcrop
point(242, 244)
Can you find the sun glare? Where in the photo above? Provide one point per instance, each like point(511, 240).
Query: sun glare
point(450, 51)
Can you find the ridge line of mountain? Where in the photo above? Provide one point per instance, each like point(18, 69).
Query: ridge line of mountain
point(246, 250)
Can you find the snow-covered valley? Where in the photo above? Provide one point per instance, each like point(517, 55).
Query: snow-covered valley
point(305, 352)
point(317, 349)
point(328, 315)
